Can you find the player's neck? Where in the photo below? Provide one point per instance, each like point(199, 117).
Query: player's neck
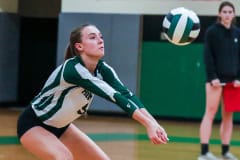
point(90, 63)
point(226, 25)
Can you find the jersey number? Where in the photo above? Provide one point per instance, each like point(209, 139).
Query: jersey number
point(83, 109)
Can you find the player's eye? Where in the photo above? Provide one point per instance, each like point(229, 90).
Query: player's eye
point(230, 12)
point(92, 37)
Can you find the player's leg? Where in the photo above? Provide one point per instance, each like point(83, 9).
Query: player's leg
point(226, 134)
point(213, 96)
point(81, 145)
point(45, 145)
point(226, 126)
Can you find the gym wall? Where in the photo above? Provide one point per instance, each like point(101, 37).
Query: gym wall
point(38, 45)
point(40, 30)
point(9, 46)
point(171, 80)
point(121, 37)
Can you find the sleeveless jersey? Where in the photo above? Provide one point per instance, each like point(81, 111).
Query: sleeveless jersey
point(69, 90)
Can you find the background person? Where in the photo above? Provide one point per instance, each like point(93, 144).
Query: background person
point(221, 56)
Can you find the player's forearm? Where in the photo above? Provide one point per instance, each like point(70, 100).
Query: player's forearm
point(141, 118)
point(147, 114)
point(155, 132)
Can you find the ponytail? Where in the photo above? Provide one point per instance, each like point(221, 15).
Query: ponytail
point(68, 53)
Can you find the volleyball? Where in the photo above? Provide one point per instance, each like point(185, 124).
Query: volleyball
point(181, 26)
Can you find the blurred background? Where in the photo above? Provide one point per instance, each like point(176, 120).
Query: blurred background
point(168, 79)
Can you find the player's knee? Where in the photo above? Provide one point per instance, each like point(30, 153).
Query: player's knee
point(211, 116)
point(66, 157)
point(63, 155)
point(211, 111)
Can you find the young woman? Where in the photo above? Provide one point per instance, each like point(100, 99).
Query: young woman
point(221, 55)
point(45, 128)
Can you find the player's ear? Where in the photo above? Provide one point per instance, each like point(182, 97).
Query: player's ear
point(78, 46)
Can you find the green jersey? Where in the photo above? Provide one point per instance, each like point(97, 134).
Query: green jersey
point(69, 90)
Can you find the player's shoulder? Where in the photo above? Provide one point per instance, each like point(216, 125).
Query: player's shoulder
point(72, 62)
point(72, 67)
point(213, 28)
point(238, 30)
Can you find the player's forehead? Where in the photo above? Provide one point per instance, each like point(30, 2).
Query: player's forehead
point(226, 8)
point(90, 30)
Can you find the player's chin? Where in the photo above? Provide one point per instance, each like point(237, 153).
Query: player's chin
point(99, 55)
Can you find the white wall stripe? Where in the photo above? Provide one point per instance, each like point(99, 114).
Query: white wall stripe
point(10, 6)
point(201, 7)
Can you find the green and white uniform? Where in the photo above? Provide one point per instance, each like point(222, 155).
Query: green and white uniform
point(69, 91)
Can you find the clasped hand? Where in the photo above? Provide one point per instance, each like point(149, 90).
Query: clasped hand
point(157, 134)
